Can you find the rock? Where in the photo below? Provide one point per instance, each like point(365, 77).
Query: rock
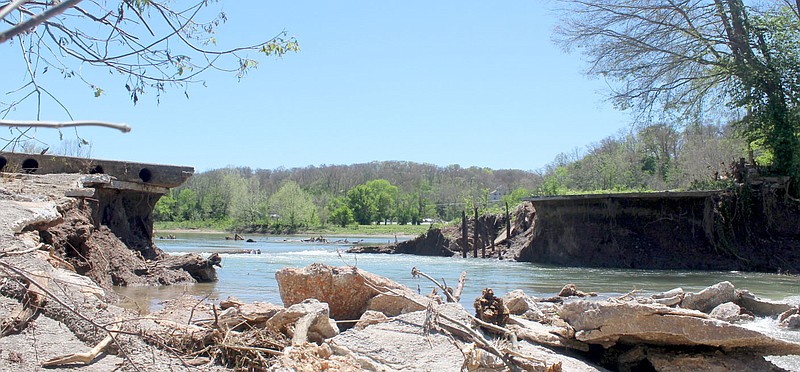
point(669, 298)
point(390, 345)
point(730, 312)
point(306, 321)
point(707, 299)
point(666, 360)
point(792, 322)
point(607, 323)
point(570, 290)
point(758, 306)
point(786, 314)
point(369, 318)
point(230, 302)
point(201, 269)
point(246, 316)
point(669, 301)
point(669, 294)
point(518, 302)
point(714, 361)
point(547, 335)
point(391, 305)
point(347, 290)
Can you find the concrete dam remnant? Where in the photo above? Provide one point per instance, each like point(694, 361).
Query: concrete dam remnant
point(105, 223)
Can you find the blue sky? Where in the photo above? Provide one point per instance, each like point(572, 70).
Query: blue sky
point(469, 83)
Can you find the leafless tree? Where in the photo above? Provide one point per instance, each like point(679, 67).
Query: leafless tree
point(693, 56)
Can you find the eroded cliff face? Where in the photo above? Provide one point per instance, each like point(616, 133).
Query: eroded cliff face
point(752, 230)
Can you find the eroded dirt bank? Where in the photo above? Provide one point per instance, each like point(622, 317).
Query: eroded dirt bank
point(752, 229)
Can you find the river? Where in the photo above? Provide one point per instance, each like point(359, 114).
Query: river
point(251, 277)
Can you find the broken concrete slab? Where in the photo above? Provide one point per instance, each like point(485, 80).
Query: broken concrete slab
point(607, 323)
point(759, 307)
point(709, 298)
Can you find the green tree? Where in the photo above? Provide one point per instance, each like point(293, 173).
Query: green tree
point(384, 195)
point(293, 206)
point(362, 202)
point(165, 208)
point(248, 206)
point(340, 212)
point(685, 57)
point(187, 205)
point(407, 209)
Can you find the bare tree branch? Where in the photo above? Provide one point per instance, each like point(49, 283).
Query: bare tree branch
point(64, 124)
point(37, 20)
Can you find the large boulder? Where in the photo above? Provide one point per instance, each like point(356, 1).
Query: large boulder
point(607, 323)
point(347, 290)
point(518, 302)
point(730, 312)
point(709, 298)
point(759, 307)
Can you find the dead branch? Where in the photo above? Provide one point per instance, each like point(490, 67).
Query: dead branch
point(460, 287)
point(83, 358)
point(37, 19)
point(64, 124)
point(19, 318)
point(415, 272)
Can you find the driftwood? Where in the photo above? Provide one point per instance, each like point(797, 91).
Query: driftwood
point(460, 287)
point(32, 301)
point(83, 358)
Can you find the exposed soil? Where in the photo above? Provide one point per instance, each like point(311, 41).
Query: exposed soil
point(752, 229)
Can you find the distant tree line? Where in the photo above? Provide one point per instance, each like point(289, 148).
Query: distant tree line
point(656, 157)
point(289, 200)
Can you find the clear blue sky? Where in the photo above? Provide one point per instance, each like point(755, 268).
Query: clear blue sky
point(446, 82)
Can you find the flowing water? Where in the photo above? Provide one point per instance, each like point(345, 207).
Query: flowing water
point(251, 277)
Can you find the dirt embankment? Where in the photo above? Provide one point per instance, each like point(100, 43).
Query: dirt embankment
point(752, 229)
point(48, 242)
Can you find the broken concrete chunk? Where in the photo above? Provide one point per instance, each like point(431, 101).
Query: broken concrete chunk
point(730, 312)
point(669, 301)
point(707, 299)
point(669, 294)
point(369, 318)
point(347, 290)
point(607, 323)
point(792, 322)
point(307, 321)
point(518, 302)
point(758, 306)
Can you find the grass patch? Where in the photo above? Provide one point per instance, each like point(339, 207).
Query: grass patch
point(355, 230)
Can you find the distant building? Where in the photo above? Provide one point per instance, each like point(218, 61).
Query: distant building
point(496, 195)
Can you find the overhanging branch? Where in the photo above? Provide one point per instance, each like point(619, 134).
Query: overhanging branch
point(64, 124)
